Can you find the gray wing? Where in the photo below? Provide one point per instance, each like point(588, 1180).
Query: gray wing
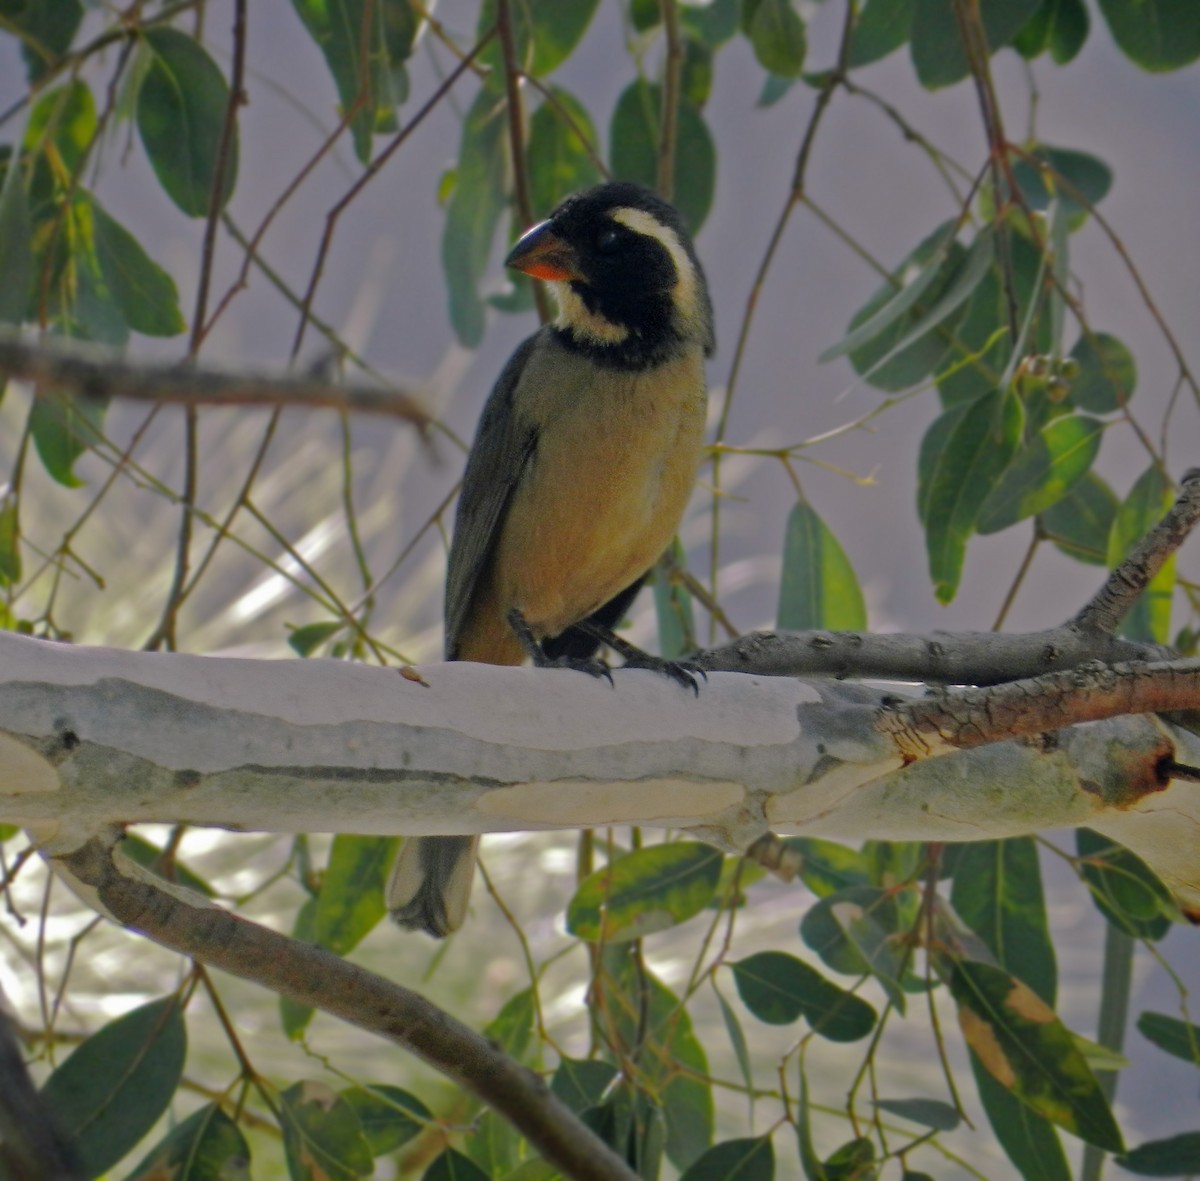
point(503, 446)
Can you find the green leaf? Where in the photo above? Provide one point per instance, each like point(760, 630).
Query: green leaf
point(143, 291)
point(929, 1113)
point(63, 427)
point(936, 45)
point(737, 1039)
point(896, 339)
point(735, 1160)
point(828, 866)
point(371, 87)
point(1026, 1048)
point(1180, 1038)
point(1177, 1156)
point(1081, 522)
point(114, 1087)
point(351, 899)
point(559, 161)
point(1043, 471)
point(956, 479)
point(1145, 506)
point(818, 587)
point(633, 150)
point(1061, 26)
point(304, 641)
point(62, 127)
point(1124, 888)
point(322, 1138)
point(712, 24)
point(389, 1116)
point(1158, 35)
point(479, 199)
point(810, 1162)
point(46, 29)
point(453, 1166)
point(1048, 174)
point(581, 1082)
point(1107, 374)
point(207, 1146)
point(882, 27)
point(673, 606)
point(778, 37)
point(778, 989)
point(10, 540)
point(293, 1016)
point(1031, 1142)
point(512, 1027)
point(645, 891)
point(181, 110)
point(545, 34)
point(16, 248)
point(997, 892)
point(696, 77)
point(852, 1161)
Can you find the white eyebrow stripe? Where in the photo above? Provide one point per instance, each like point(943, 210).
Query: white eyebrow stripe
point(642, 222)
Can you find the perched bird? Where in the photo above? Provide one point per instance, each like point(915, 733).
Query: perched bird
point(582, 466)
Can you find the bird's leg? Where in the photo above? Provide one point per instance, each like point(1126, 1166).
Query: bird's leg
point(535, 652)
point(682, 672)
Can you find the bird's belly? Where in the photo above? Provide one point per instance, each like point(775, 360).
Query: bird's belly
point(605, 494)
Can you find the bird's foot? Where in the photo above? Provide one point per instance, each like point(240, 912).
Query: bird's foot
point(594, 667)
point(682, 672)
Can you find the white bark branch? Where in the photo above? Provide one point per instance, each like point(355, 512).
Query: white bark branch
point(92, 737)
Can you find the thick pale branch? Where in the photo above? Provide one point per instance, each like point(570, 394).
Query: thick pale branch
point(95, 373)
point(94, 737)
point(318, 978)
point(1116, 597)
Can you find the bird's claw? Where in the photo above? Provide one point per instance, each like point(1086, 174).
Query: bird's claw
point(682, 672)
point(593, 667)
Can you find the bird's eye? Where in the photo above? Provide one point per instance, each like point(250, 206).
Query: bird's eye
point(607, 241)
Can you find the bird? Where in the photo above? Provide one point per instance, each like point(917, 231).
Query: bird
point(583, 463)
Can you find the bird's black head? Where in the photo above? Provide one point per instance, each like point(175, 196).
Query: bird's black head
point(631, 291)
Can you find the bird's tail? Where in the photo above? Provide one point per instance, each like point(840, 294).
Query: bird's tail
point(430, 885)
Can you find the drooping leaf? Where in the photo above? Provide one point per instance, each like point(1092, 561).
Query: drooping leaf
point(559, 162)
point(1080, 523)
point(1176, 1156)
point(322, 1137)
point(1029, 1140)
point(149, 856)
point(1142, 509)
point(45, 28)
point(1158, 35)
point(828, 866)
point(673, 607)
point(1180, 1038)
point(181, 112)
point(61, 129)
point(370, 87)
point(644, 891)
point(997, 892)
point(1060, 26)
point(63, 427)
point(1026, 1048)
point(778, 37)
point(453, 1166)
point(351, 899)
point(294, 1016)
point(936, 44)
point(818, 587)
point(1042, 472)
point(545, 34)
point(512, 1027)
point(778, 988)
point(143, 291)
point(304, 641)
point(1124, 888)
point(737, 1038)
point(929, 1113)
point(1107, 374)
point(114, 1087)
point(207, 1146)
point(749, 1159)
point(883, 26)
point(581, 1082)
point(633, 150)
point(852, 1161)
point(10, 540)
point(696, 76)
point(388, 1115)
point(16, 248)
point(479, 200)
point(1076, 179)
point(955, 479)
point(712, 24)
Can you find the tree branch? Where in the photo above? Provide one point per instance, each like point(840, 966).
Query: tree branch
point(95, 373)
point(318, 978)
